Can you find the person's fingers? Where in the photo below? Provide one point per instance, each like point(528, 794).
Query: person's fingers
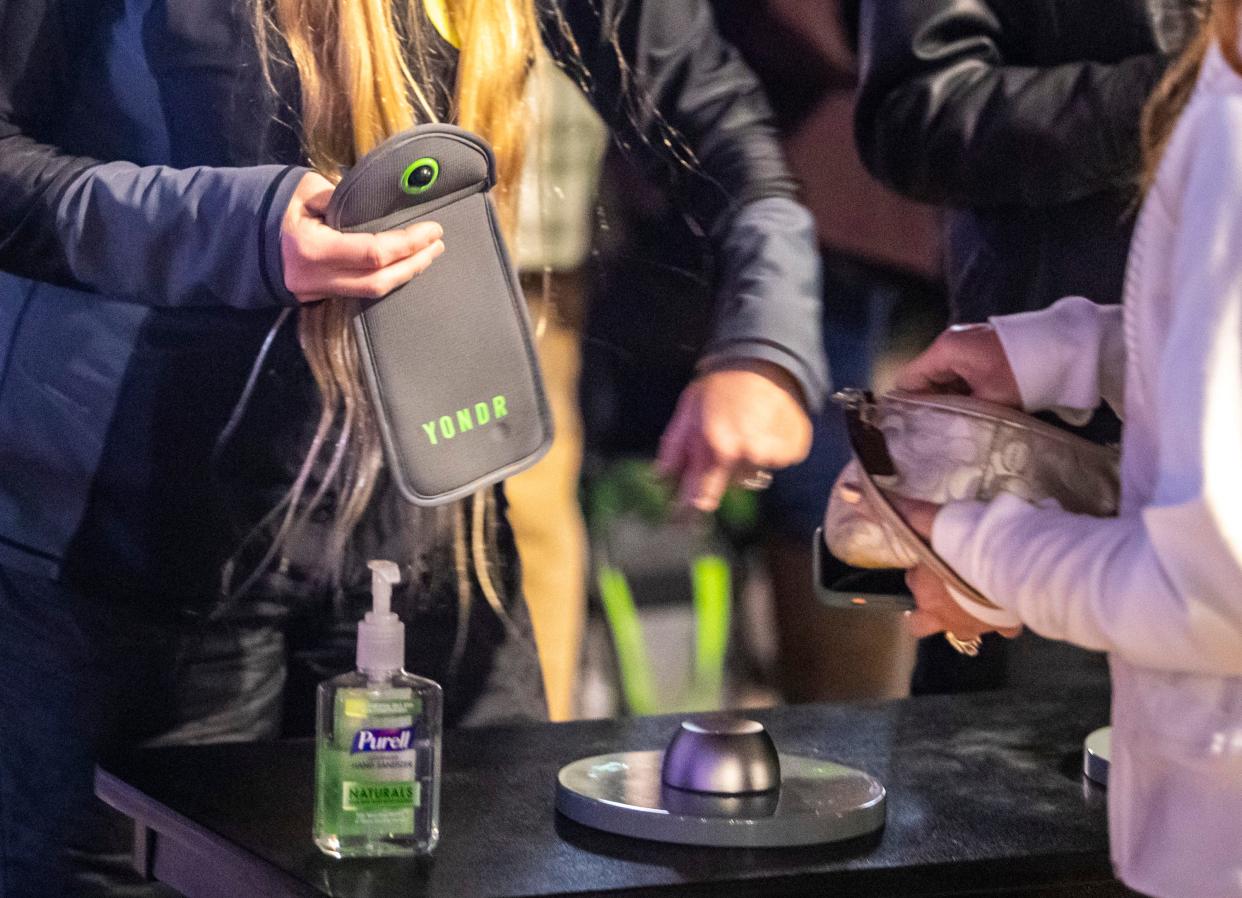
point(723, 453)
point(375, 284)
point(930, 371)
point(690, 476)
point(933, 599)
point(964, 359)
point(754, 411)
point(705, 477)
point(920, 515)
point(922, 624)
point(712, 485)
point(368, 252)
point(674, 448)
point(923, 584)
point(756, 451)
point(315, 193)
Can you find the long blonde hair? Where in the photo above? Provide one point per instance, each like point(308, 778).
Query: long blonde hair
point(364, 74)
point(1168, 101)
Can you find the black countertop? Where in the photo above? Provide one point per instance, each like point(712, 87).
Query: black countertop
point(984, 794)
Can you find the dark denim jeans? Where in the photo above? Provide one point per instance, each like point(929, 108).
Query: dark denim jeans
point(80, 679)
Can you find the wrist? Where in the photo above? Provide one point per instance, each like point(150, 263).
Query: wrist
point(771, 371)
point(272, 228)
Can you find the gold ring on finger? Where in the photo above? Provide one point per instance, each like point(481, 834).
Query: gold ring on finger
point(967, 647)
point(759, 480)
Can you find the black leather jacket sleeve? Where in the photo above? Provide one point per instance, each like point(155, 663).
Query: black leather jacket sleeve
point(947, 115)
point(677, 97)
point(693, 116)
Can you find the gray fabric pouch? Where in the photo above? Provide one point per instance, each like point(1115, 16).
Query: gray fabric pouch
point(448, 357)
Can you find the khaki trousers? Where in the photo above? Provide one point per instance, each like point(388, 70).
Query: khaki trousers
point(548, 525)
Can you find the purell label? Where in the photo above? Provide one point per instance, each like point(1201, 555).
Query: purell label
point(375, 739)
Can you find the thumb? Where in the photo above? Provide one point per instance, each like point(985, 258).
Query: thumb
point(929, 372)
point(318, 192)
point(922, 624)
point(674, 451)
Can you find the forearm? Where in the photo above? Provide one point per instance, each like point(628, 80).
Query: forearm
point(694, 118)
point(32, 178)
point(770, 305)
point(152, 234)
point(178, 237)
point(1099, 583)
point(1158, 585)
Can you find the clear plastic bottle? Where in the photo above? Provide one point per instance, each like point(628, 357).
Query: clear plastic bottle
point(377, 750)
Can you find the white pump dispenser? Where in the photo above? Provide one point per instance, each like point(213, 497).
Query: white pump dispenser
point(381, 635)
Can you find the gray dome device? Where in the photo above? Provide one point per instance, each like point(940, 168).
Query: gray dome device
point(721, 782)
point(448, 357)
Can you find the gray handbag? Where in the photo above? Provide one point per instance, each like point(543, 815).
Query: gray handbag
point(448, 357)
point(942, 448)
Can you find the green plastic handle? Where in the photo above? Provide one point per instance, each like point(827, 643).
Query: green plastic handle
point(712, 580)
point(627, 637)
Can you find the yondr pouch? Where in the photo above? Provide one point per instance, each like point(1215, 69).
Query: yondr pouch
point(448, 357)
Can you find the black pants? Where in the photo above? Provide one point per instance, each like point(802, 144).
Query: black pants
point(81, 679)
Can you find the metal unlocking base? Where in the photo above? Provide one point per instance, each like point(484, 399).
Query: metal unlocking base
point(629, 793)
point(1096, 752)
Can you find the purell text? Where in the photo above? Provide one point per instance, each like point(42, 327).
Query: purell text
point(398, 739)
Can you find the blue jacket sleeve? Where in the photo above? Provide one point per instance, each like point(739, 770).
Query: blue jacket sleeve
point(690, 113)
point(151, 234)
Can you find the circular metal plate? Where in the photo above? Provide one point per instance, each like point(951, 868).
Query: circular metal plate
point(1095, 754)
point(818, 801)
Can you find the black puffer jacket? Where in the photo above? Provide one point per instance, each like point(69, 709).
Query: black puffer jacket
point(1022, 116)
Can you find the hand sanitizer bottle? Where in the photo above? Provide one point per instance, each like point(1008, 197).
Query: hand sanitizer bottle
point(377, 750)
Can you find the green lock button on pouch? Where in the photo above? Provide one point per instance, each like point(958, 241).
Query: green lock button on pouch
point(449, 357)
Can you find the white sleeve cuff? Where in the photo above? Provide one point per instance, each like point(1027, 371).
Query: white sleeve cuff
point(1054, 353)
point(953, 526)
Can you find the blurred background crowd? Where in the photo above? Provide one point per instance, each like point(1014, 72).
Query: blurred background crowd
point(625, 616)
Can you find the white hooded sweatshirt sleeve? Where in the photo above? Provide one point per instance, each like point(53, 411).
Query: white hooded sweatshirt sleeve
point(1161, 585)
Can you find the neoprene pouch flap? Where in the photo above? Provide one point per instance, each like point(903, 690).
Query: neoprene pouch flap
point(448, 357)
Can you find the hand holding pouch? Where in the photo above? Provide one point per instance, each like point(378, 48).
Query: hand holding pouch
point(939, 449)
point(448, 357)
